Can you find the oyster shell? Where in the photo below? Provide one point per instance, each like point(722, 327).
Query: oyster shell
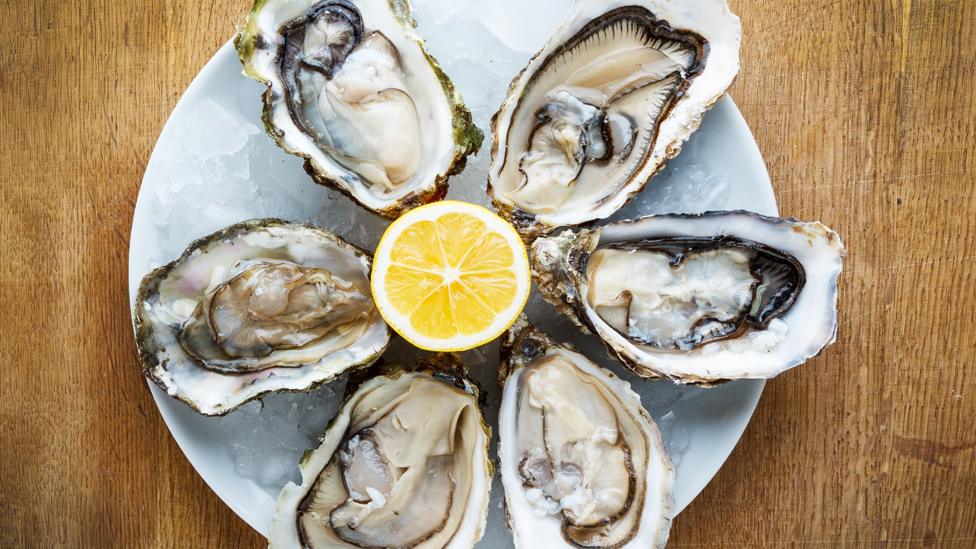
point(582, 462)
point(264, 305)
point(352, 90)
point(610, 98)
point(403, 464)
point(699, 298)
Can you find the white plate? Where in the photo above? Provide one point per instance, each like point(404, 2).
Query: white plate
point(213, 165)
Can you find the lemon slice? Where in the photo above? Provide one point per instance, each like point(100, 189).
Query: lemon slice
point(450, 276)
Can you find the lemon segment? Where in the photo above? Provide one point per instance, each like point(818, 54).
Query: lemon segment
point(450, 276)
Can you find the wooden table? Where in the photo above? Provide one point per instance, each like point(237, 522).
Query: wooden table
point(864, 110)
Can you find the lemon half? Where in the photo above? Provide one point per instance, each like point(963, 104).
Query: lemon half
point(450, 276)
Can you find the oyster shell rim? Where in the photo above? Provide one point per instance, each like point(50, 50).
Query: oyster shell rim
point(147, 347)
point(444, 367)
point(559, 287)
point(522, 330)
point(467, 137)
point(531, 226)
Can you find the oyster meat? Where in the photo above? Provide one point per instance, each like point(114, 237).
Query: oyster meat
point(611, 97)
point(582, 462)
point(699, 298)
point(352, 90)
point(260, 306)
point(403, 464)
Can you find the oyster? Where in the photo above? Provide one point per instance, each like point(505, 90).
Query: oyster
point(352, 90)
point(403, 464)
point(699, 298)
point(260, 306)
point(582, 463)
point(611, 97)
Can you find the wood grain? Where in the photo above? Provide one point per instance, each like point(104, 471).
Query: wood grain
point(864, 110)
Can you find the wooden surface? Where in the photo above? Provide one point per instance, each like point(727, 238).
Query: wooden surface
point(865, 112)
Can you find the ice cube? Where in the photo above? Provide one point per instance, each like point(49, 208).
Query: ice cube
point(267, 438)
point(526, 28)
point(676, 437)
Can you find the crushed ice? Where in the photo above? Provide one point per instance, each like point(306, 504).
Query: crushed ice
point(218, 167)
point(266, 438)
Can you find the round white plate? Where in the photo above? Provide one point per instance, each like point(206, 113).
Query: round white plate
point(213, 165)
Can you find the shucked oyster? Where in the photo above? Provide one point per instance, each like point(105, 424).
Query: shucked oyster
point(699, 298)
point(260, 306)
point(403, 464)
point(352, 90)
point(582, 462)
point(611, 97)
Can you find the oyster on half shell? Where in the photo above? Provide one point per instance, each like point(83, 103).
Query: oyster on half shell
point(403, 464)
point(582, 462)
point(698, 298)
point(606, 102)
point(261, 306)
point(352, 89)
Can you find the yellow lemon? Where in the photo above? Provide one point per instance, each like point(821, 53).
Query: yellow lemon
point(450, 276)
